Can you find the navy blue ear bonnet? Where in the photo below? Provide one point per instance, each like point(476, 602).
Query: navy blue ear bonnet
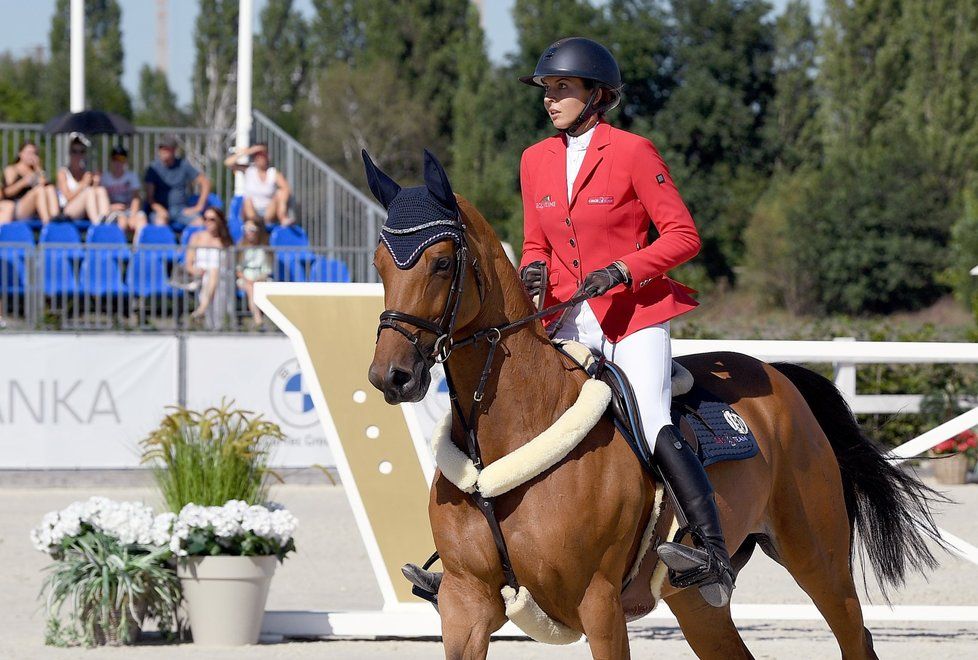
point(419, 217)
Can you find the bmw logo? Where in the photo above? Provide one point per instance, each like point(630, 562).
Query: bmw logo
point(290, 396)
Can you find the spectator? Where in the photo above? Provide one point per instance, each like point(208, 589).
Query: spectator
point(206, 256)
point(26, 185)
point(123, 187)
point(254, 264)
point(80, 193)
point(167, 179)
point(6, 208)
point(266, 192)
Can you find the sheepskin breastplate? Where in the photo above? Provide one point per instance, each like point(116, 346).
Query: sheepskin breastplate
point(536, 456)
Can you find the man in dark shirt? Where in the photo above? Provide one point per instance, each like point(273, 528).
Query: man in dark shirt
point(167, 180)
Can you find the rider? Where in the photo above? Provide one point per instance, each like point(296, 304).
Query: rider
point(590, 196)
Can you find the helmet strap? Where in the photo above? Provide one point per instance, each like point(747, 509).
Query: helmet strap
point(586, 113)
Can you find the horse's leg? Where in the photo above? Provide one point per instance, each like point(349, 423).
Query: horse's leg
point(469, 614)
point(811, 538)
point(603, 620)
point(708, 630)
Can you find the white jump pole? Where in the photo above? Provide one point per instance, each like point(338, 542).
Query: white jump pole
point(242, 136)
point(77, 56)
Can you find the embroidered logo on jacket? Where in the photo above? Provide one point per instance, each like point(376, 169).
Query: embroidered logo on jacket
point(546, 203)
point(601, 199)
point(660, 178)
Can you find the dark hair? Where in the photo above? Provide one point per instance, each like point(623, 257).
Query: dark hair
point(119, 150)
point(24, 145)
point(222, 226)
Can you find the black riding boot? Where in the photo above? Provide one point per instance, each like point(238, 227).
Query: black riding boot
point(708, 565)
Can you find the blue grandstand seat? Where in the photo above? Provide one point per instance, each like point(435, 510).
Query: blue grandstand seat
point(58, 263)
point(235, 208)
point(100, 275)
point(16, 238)
point(147, 274)
point(109, 234)
point(290, 264)
point(213, 201)
point(156, 235)
point(324, 269)
point(59, 232)
point(16, 232)
point(82, 225)
point(185, 236)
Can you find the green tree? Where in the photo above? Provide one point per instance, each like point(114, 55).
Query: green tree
point(795, 104)
point(713, 124)
point(215, 68)
point(157, 105)
point(103, 59)
point(281, 63)
point(20, 89)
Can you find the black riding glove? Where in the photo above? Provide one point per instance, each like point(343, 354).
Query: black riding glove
point(599, 282)
point(532, 277)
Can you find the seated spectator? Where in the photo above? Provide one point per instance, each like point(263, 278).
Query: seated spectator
point(206, 256)
point(167, 180)
point(254, 264)
point(266, 192)
point(80, 193)
point(6, 208)
point(26, 185)
point(122, 185)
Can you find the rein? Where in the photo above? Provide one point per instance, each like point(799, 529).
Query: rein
point(443, 329)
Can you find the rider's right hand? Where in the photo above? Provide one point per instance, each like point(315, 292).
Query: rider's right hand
point(532, 277)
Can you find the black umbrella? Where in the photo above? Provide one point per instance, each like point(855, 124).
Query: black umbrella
point(90, 122)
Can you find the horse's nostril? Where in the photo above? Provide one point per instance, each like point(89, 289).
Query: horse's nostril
point(399, 378)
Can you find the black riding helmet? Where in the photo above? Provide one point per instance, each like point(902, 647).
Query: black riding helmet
point(577, 57)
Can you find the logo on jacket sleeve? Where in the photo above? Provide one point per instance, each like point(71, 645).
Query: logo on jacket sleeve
point(546, 203)
point(660, 178)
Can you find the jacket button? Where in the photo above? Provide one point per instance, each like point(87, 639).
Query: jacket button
point(576, 263)
point(567, 220)
point(638, 247)
point(572, 243)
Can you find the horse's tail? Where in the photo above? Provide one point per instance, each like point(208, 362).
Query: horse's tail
point(888, 507)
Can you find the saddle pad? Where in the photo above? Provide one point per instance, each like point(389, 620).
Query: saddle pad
point(723, 435)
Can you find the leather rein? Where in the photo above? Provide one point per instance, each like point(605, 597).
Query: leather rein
point(443, 329)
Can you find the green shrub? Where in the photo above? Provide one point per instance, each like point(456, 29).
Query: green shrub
point(210, 457)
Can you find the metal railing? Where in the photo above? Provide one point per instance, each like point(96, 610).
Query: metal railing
point(332, 210)
point(83, 287)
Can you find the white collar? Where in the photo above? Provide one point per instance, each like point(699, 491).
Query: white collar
point(580, 142)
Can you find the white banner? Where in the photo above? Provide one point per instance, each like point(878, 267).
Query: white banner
point(261, 374)
point(82, 401)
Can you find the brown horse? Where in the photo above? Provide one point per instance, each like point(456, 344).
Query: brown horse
point(574, 531)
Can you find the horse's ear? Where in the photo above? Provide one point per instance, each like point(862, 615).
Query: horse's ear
point(383, 187)
point(436, 181)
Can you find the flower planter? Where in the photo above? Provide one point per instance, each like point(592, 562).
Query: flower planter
point(226, 597)
point(110, 636)
point(951, 469)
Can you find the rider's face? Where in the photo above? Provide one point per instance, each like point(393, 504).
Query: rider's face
point(564, 98)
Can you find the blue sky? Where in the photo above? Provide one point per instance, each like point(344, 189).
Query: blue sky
point(25, 26)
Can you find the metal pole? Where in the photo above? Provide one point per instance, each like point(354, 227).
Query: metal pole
point(77, 55)
point(243, 120)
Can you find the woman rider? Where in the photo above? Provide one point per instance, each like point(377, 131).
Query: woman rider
point(590, 195)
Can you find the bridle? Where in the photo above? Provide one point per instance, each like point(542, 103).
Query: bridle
point(444, 329)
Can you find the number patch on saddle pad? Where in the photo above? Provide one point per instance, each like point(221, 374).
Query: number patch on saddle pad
point(723, 435)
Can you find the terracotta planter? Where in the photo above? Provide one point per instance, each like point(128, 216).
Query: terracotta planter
point(951, 469)
point(226, 597)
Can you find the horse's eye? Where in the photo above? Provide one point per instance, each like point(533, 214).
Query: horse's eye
point(442, 264)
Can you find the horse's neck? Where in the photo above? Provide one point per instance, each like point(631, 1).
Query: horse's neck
point(527, 382)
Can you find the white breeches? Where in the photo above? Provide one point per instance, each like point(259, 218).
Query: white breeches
point(645, 356)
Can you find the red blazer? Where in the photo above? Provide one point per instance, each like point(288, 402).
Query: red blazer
point(623, 187)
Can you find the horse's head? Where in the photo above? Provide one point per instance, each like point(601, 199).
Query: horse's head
point(432, 286)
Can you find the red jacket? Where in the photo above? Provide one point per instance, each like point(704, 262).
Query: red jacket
point(623, 187)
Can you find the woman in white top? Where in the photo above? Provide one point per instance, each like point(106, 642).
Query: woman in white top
point(266, 192)
point(206, 256)
point(80, 192)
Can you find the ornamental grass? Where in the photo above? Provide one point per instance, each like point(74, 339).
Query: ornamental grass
point(210, 457)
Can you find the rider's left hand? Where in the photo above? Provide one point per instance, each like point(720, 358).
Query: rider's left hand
point(600, 281)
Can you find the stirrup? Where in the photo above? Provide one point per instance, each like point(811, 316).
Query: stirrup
point(425, 584)
point(700, 567)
